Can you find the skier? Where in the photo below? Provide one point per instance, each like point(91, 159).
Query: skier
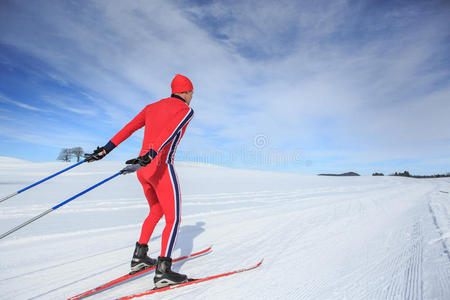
point(165, 123)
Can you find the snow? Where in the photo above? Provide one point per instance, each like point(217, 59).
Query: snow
point(320, 237)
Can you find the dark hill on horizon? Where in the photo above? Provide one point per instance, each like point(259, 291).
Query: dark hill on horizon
point(343, 174)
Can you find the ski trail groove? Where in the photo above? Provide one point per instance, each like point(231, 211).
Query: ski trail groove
point(413, 286)
point(444, 245)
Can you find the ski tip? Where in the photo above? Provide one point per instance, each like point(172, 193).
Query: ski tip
point(203, 252)
point(257, 264)
point(206, 251)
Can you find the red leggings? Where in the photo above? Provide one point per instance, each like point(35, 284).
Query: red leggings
point(162, 191)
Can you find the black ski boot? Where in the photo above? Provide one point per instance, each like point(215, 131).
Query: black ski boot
point(140, 259)
point(164, 276)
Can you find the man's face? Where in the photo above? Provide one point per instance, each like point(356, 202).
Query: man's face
point(189, 96)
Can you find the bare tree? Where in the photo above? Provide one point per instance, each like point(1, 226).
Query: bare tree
point(77, 152)
point(65, 155)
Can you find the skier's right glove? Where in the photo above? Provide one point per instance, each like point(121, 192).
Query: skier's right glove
point(100, 152)
point(143, 160)
point(140, 160)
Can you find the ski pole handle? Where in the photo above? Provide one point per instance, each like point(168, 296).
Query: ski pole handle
point(58, 206)
point(41, 181)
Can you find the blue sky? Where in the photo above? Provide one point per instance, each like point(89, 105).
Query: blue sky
point(303, 86)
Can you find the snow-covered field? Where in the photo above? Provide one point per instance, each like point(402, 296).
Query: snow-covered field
point(320, 237)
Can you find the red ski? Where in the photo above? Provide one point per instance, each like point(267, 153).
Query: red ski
point(192, 281)
point(127, 277)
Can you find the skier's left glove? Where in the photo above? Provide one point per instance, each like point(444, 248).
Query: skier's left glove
point(100, 152)
point(143, 160)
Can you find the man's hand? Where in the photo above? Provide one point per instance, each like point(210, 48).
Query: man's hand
point(143, 160)
point(100, 152)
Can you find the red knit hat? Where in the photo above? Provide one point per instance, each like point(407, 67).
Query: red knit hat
point(181, 84)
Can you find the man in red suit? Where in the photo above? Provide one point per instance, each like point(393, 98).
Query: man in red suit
point(165, 123)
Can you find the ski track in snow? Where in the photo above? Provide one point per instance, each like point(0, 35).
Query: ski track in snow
point(321, 238)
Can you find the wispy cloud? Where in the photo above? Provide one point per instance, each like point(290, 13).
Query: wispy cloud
point(69, 104)
point(5, 99)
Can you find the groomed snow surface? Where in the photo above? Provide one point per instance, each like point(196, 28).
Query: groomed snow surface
point(320, 237)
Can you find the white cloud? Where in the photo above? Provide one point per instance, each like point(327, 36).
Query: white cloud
point(304, 87)
point(5, 99)
point(69, 104)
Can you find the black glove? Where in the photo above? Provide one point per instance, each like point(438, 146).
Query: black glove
point(143, 160)
point(99, 153)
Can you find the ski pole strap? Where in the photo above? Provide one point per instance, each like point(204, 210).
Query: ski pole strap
point(130, 169)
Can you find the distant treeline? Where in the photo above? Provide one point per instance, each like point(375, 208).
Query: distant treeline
point(406, 174)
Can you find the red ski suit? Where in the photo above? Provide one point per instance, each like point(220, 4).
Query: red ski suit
point(165, 122)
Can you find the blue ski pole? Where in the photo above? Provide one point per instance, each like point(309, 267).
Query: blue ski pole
point(41, 181)
point(59, 205)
